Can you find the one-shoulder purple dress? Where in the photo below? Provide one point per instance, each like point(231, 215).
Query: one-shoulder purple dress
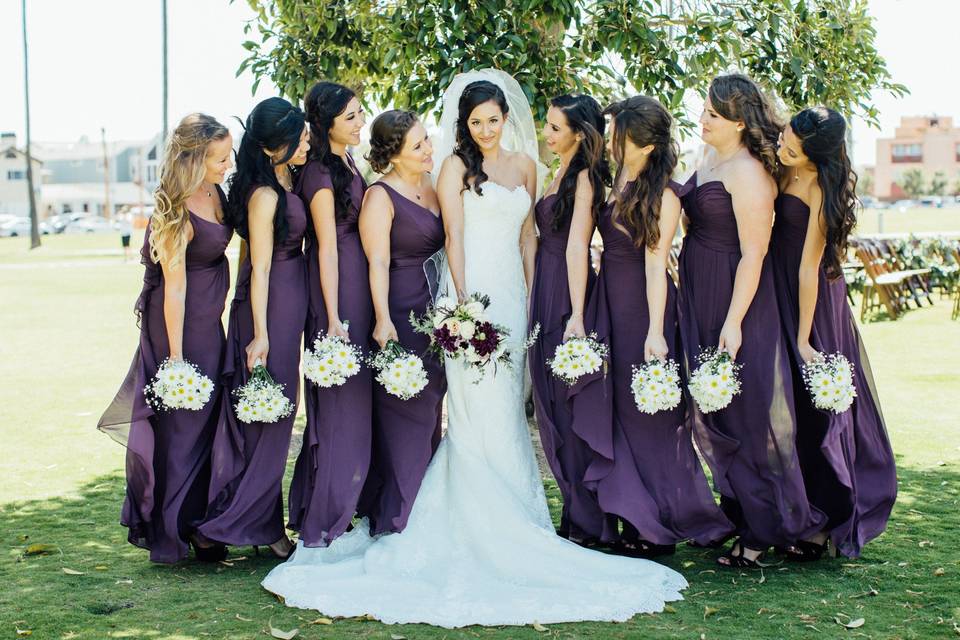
point(168, 452)
point(649, 476)
point(332, 466)
point(567, 455)
point(847, 462)
point(751, 444)
point(246, 500)
point(405, 432)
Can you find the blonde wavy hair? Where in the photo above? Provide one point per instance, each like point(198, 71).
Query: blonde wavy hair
point(181, 174)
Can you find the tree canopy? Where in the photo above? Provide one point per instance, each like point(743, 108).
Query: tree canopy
point(404, 52)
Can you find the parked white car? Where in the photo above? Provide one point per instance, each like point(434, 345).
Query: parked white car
point(90, 224)
point(14, 226)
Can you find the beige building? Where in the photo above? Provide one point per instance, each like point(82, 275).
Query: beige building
point(928, 143)
point(14, 195)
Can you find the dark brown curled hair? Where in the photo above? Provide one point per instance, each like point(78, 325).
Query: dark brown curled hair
point(387, 135)
point(822, 134)
point(585, 117)
point(644, 121)
point(324, 102)
point(474, 95)
point(736, 97)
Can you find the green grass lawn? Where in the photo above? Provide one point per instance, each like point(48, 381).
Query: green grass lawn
point(67, 333)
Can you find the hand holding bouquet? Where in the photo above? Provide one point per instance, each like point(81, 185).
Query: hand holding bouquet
point(656, 386)
point(463, 331)
point(331, 361)
point(178, 385)
point(400, 372)
point(715, 381)
point(577, 357)
point(829, 379)
point(261, 399)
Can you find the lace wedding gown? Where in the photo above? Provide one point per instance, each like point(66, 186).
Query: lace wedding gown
point(479, 547)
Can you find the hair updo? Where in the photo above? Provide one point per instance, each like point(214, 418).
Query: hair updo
point(387, 135)
point(737, 97)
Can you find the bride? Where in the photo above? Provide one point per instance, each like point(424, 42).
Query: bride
point(479, 547)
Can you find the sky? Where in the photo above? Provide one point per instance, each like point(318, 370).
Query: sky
point(97, 63)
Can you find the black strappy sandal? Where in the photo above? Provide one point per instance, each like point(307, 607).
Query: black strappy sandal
point(214, 552)
point(713, 544)
point(735, 558)
point(806, 551)
point(643, 549)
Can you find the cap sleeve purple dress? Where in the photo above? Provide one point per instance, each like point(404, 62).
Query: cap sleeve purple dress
point(847, 462)
point(168, 452)
point(245, 499)
point(567, 455)
point(405, 433)
point(751, 444)
point(332, 466)
point(650, 477)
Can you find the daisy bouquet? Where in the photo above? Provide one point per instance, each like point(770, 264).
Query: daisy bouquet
point(829, 379)
point(715, 381)
point(261, 399)
point(656, 386)
point(178, 385)
point(331, 362)
point(577, 357)
point(400, 372)
point(463, 331)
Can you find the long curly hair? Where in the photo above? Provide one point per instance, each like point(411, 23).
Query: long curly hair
point(822, 134)
point(585, 117)
point(387, 135)
point(273, 125)
point(324, 102)
point(637, 207)
point(475, 94)
point(181, 174)
point(737, 97)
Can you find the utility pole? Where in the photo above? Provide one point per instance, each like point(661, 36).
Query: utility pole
point(166, 119)
point(34, 222)
point(106, 174)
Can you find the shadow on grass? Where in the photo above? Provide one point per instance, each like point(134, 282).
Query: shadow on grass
point(89, 583)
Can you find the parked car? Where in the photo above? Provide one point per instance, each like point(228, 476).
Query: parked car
point(90, 224)
point(903, 205)
point(20, 226)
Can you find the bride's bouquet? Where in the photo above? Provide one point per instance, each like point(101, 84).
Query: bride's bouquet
point(463, 331)
point(577, 357)
point(715, 381)
point(656, 386)
point(829, 379)
point(331, 361)
point(400, 372)
point(261, 399)
point(178, 385)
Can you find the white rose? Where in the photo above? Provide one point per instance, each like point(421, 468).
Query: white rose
point(473, 308)
point(452, 325)
point(467, 329)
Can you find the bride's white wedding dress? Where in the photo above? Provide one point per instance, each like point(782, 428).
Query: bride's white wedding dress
point(479, 547)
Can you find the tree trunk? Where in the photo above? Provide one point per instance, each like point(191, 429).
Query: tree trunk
point(34, 222)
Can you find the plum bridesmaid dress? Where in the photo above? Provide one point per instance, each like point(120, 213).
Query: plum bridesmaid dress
point(332, 466)
point(406, 432)
point(751, 444)
point(566, 453)
point(168, 452)
point(646, 475)
point(245, 497)
point(847, 462)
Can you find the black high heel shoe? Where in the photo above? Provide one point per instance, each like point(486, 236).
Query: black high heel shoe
point(643, 549)
point(806, 551)
point(736, 558)
point(277, 548)
point(214, 552)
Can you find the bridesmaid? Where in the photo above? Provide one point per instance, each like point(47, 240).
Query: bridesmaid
point(266, 325)
point(401, 228)
point(332, 466)
point(653, 483)
point(848, 465)
point(561, 282)
point(185, 283)
point(727, 300)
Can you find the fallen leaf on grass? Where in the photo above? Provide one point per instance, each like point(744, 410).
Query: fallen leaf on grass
point(124, 582)
point(872, 592)
point(762, 611)
point(321, 621)
point(72, 572)
point(397, 636)
point(688, 563)
point(925, 543)
point(23, 632)
point(40, 549)
point(763, 578)
point(853, 624)
point(226, 563)
point(283, 635)
point(242, 619)
point(539, 627)
point(100, 567)
point(939, 571)
point(709, 611)
point(667, 608)
point(915, 593)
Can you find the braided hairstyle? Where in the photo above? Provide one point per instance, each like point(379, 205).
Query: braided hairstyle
point(822, 134)
point(645, 122)
point(585, 117)
point(387, 135)
point(324, 102)
point(737, 97)
point(273, 125)
point(474, 95)
point(181, 174)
